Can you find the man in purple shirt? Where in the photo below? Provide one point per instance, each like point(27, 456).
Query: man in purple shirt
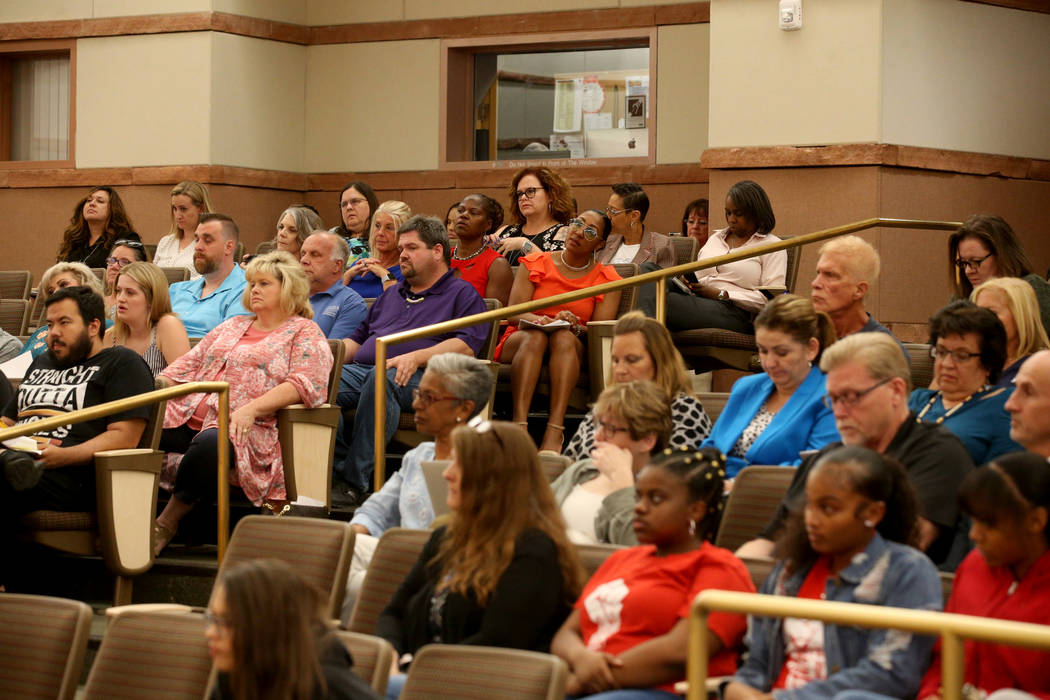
point(430, 293)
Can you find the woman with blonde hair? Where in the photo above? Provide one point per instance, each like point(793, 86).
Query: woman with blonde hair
point(1014, 302)
point(59, 276)
point(371, 275)
point(143, 320)
point(502, 572)
point(99, 219)
point(293, 226)
point(189, 199)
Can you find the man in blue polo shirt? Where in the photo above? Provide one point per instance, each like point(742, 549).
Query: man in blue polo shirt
point(430, 293)
point(338, 310)
point(206, 302)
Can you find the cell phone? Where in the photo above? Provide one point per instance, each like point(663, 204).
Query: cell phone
point(681, 284)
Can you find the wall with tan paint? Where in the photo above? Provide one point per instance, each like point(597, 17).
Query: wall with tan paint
point(682, 84)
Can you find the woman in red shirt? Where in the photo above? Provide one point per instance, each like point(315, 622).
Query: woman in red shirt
point(474, 219)
point(627, 637)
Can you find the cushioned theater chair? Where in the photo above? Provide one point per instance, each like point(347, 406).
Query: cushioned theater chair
point(373, 657)
point(15, 284)
point(396, 553)
point(757, 491)
point(42, 645)
point(121, 529)
point(456, 671)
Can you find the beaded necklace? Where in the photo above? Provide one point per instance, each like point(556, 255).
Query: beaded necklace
point(473, 255)
point(950, 412)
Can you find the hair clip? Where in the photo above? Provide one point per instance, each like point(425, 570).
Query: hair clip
point(707, 475)
point(668, 451)
point(722, 473)
point(688, 460)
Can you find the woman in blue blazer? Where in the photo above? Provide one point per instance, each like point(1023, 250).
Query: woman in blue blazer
point(773, 417)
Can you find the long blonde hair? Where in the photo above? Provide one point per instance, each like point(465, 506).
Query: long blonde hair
point(198, 195)
point(154, 285)
point(1020, 297)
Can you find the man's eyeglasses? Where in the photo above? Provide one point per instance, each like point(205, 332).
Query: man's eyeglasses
point(355, 202)
point(589, 232)
point(972, 263)
point(121, 263)
point(527, 193)
point(426, 399)
point(849, 399)
point(960, 356)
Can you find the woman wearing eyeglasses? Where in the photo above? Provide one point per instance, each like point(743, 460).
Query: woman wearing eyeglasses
point(540, 206)
point(124, 253)
point(985, 247)
point(98, 220)
point(502, 572)
point(968, 345)
point(454, 388)
point(530, 338)
point(143, 320)
point(630, 241)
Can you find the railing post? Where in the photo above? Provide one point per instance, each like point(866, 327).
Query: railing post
point(380, 431)
point(951, 666)
point(696, 673)
point(224, 472)
point(661, 299)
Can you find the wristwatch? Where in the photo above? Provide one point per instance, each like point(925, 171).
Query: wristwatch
point(389, 278)
point(526, 247)
point(723, 295)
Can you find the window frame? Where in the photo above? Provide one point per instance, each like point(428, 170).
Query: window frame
point(456, 115)
point(20, 49)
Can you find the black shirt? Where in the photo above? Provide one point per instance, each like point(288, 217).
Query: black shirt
point(95, 255)
point(936, 462)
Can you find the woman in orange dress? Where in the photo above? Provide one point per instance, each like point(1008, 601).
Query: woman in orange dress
point(526, 342)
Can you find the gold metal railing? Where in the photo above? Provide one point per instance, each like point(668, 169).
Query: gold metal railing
point(147, 399)
point(637, 280)
point(952, 628)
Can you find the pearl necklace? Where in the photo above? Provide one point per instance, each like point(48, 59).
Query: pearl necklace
point(473, 255)
point(574, 268)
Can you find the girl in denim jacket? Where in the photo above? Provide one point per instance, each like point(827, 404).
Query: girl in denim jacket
point(850, 543)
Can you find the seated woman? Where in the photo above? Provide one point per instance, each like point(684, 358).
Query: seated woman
point(370, 275)
point(1013, 302)
point(985, 247)
point(642, 349)
point(189, 200)
point(630, 627)
point(502, 572)
point(272, 358)
point(630, 241)
point(694, 220)
point(144, 321)
point(293, 226)
point(540, 205)
point(268, 637)
point(969, 350)
point(357, 206)
point(596, 494)
point(543, 275)
point(474, 219)
point(60, 276)
point(727, 296)
point(123, 254)
point(98, 220)
point(454, 388)
point(772, 417)
point(851, 543)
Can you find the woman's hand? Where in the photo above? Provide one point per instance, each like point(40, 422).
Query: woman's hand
point(241, 422)
point(377, 269)
point(512, 243)
point(615, 464)
point(572, 318)
point(360, 267)
point(593, 670)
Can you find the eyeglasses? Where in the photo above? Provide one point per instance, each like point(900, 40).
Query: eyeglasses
point(599, 424)
point(121, 263)
point(613, 211)
point(849, 399)
point(481, 426)
point(589, 232)
point(218, 621)
point(426, 399)
point(972, 263)
point(960, 356)
point(355, 202)
point(528, 192)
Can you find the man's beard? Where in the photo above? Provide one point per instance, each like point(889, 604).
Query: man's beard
point(75, 353)
point(205, 266)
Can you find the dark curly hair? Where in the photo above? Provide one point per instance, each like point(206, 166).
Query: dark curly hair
point(963, 317)
point(77, 233)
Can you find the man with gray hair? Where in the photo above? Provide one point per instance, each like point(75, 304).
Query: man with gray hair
point(430, 293)
point(868, 383)
point(338, 310)
point(846, 268)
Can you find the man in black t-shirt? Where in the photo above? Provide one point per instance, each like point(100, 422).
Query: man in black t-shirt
point(868, 383)
point(75, 372)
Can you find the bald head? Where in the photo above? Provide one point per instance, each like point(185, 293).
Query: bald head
point(1029, 405)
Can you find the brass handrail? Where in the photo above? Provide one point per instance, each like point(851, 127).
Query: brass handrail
point(952, 628)
point(637, 280)
point(146, 399)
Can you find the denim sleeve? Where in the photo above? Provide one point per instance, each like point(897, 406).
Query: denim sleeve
point(380, 512)
point(762, 634)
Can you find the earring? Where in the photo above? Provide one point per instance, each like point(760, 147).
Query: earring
point(692, 527)
point(459, 419)
point(868, 524)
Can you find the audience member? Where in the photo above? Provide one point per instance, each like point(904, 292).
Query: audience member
point(76, 372)
point(727, 296)
point(630, 241)
point(1029, 405)
point(474, 220)
point(642, 350)
point(10, 346)
point(777, 416)
point(143, 321)
point(59, 276)
point(502, 572)
point(846, 269)
point(357, 205)
point(540, 205)
point(1013, 301)
point(454, 388)
point(450, 219)
point(202, 304)
point(293, 226)
point(968, 346)
point(338, 310)
point(851, 543)
point(123, 254)
point(596, 494)
point(370, 276)
point(99, 219)
point(189, 200)
point(630, 626)
point(528, 340)
point(694, 221)
point(272, 358)
point(430, 293)
point(868, 382)
point(270, 639)
point(985, 247)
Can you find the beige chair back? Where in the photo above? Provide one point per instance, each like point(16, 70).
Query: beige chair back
point(553, 465)
point(14, 315)
point(759, 568)
point(373, 657)
point(593, 556)
point(921, 364)
point(456, 671)
point(396, 553)
point(714, 402)
point(757, 491)
point(175, 274)
point(49, 666)
point(627, 296)
point(15, 284)
point(686, 249)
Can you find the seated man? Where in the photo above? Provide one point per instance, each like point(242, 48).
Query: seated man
point(430, 293)
point(206, 302)
point(846, 269)
point(868, 383)
point(338, 310)
point(75, 373)
point(1029, 405)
